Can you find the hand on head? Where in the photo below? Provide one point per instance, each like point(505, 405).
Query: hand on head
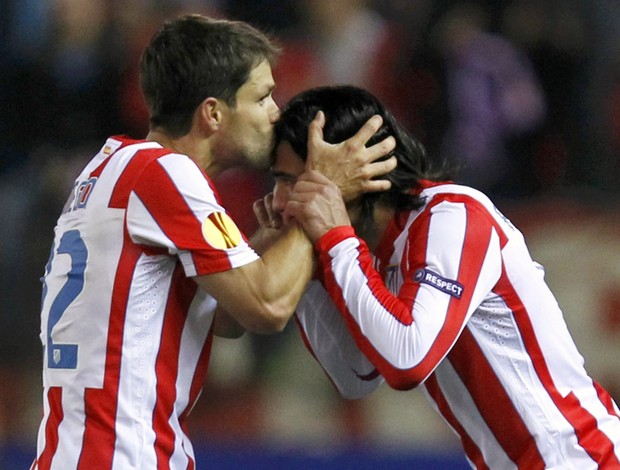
point(350, 164)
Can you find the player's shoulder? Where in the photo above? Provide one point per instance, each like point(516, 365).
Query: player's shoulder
point(143, 154)
point(454, 192)
point(478, 205)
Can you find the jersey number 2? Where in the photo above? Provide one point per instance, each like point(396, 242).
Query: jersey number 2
point(64, 356)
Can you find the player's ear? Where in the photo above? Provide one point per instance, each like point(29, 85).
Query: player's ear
point(211, 113)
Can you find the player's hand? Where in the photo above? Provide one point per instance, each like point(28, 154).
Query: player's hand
point(270, 224)
point(266, 216)
point(316, 203)
point(350, 164)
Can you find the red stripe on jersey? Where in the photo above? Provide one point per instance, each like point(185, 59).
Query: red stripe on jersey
point(200, 374)
point(498, 412)
point(478, 235)
point(167, 206)
point(383, 296)
point(413, 259)
point(469, 445)
point(598, 446)
point(96, 173)
point(134, 169)
point(124, 143)
point(198, 381)
point(594, 442)
point(56, 415)
point(475, 247)
point(385, 248)
point(606, 399)
point(166, 366)
point(101, 404)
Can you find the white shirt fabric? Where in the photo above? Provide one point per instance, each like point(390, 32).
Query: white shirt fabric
point(126, 331)
point(453, 301)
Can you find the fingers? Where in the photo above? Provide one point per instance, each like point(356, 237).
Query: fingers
point(351, 165)
point(266, 216)
point(315, 129)
point(376, 186)
point(380, 149)
point(369, 129)
point(381, 168)
point(313, 182)
point(260, 212)
point(316, 203)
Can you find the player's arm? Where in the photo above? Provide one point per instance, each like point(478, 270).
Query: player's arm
point(262, 295)
point(225, 324)
point(405, 336)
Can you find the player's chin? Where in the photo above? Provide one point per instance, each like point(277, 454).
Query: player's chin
point(260, 159)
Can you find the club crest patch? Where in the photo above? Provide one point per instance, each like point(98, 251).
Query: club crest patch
point(220, 231)
point(448, 286)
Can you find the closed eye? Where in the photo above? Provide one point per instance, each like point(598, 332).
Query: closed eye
point(265, 97)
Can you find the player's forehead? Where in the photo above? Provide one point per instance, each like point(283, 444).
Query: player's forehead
point(286, 161)
point(259, 83)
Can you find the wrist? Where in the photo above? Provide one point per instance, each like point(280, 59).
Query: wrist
point(332, 237)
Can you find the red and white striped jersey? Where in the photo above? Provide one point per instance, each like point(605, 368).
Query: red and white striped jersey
point(126, 331)
point(453, 301)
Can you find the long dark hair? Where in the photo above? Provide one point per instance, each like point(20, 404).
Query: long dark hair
point(346, 109)
point(194, 57)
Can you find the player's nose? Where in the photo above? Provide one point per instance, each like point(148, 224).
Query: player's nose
point(275, 113)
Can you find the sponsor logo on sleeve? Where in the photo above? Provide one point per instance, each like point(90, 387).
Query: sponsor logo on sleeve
point(448, 286)
point(220, 231)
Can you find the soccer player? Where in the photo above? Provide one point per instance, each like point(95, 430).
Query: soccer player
point(428, 284)
point(143, 250)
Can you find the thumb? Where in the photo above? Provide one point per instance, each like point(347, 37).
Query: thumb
point(315, 137)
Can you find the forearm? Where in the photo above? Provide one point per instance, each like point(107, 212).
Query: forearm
point(288, 266)
point(262, 295)
point(395, 339)
point(264, 238)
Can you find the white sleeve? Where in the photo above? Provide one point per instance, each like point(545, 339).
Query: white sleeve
point(329, 340)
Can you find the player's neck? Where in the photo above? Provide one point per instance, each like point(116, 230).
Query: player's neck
point(199, 151)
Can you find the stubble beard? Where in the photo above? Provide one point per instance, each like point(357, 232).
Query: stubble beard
point(259, 158)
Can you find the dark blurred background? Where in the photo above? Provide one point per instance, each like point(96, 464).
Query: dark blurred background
point(525, 94)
